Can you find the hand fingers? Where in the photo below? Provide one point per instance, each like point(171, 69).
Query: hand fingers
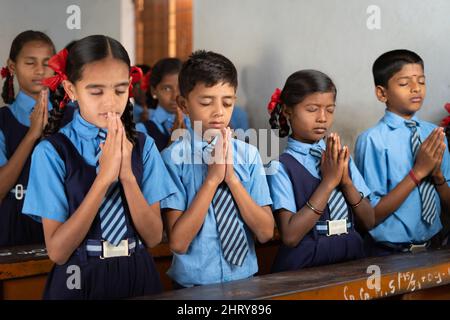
point(437, 141)
point(329, 146)
point(335, 149)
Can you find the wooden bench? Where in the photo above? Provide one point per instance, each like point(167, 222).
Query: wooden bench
point(424, 275)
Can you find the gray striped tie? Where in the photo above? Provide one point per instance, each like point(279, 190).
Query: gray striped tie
point(112, 215)
point(232, 237)
point(426, 188)
point(336, 202)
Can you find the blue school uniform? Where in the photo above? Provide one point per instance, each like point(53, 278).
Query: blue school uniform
point(204, 262)
point(158, 126)
point(67, 160)
point(16, 229)
point(292, 181)
point(383, 155)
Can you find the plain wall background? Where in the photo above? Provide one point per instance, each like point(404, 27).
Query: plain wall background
point(268, 40)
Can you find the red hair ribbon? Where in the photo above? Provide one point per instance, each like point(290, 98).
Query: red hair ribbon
point(136, 75)
point(5, 72)
point(274, 100)
point(446, 121)
point(58, 64)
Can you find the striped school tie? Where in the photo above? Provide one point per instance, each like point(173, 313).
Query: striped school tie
point(232, 237)
point(336, 202)
point(112, 215)
point(426, 188)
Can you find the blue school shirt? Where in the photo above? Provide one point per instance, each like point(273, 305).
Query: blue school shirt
point(383, 155)
point(21, 108)
point(46, 196)
point(159, 117)
point(204, 262)
point(239, 118)
point(281, 189)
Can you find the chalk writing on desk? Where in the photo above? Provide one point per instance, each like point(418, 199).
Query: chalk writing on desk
point(388, 285)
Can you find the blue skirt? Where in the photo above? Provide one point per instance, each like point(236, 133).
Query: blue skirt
point(112, 278)
point(324, 250)
point(16, 228)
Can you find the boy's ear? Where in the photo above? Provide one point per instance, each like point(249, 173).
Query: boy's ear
point(70, 89)
point(380, 92)
point(153, 93)
point(182, 103)
point(11, 66)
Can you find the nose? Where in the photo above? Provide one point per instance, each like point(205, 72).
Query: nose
point(109, 101)
point(415, 87)
point(218, 110)
point(322, 115)
point(40, 69)
point(175, 93)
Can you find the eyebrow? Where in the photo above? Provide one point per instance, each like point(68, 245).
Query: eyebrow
point(97, 86)
point(406, 77)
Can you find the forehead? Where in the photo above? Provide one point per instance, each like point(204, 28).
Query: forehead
point(169, 78)
point(36, 49)
point(105, 71)
point(319, 98)
point(409, 70)
point(219, 90)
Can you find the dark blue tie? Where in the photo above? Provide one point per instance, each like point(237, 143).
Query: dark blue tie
point(426, 188)
point(112, 215)
point(232, 237)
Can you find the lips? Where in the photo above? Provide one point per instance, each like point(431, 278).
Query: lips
point(216, 125)
point(37, 81)
point(320, 130)
point(416, 99)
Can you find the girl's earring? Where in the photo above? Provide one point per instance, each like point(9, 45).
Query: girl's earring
point(154, 97)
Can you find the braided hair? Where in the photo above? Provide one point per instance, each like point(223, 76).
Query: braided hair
point(17, 45)
point(298, 86)
point(87, 50)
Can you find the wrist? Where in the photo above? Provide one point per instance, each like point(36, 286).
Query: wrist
point(127, 179)
point(414, 177)
point(232, 180)
point(212, 181)
point(418, 174)
point(31, 137)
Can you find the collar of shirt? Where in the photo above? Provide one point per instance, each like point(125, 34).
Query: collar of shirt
point(84, 128)
point(300, 151)
point(160, 115)
point(23, 106)
point(394, 121)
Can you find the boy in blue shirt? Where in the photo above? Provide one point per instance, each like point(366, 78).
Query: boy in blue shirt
point(223, 198)
point(404, 160)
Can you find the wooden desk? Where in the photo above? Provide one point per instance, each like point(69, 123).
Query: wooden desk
point(24, 269)
point(408, 275)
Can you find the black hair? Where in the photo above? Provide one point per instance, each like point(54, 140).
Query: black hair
point(298, 86)
point(87, 50)
point(165, 66)
point(17, 45)
point(206, 67)
point(391, 62)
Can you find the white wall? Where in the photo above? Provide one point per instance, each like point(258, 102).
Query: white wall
point(268, 40)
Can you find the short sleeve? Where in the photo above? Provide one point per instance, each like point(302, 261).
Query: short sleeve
point(357, 179)
point(259, 189)
point(45, 196)
point(177, 200)
point(281, 188)
point(371, 162)
point(156, 182)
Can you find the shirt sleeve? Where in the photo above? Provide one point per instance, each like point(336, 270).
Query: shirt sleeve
point(357, 179)
point(281, 188)
point(156, 182)
point(178, 199)
point(371, 160)
point(445, 166)
point(259, 189)
point(3, 158)
point(45, 196)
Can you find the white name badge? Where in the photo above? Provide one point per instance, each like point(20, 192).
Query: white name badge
point(110, 250)
point(336, 227)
